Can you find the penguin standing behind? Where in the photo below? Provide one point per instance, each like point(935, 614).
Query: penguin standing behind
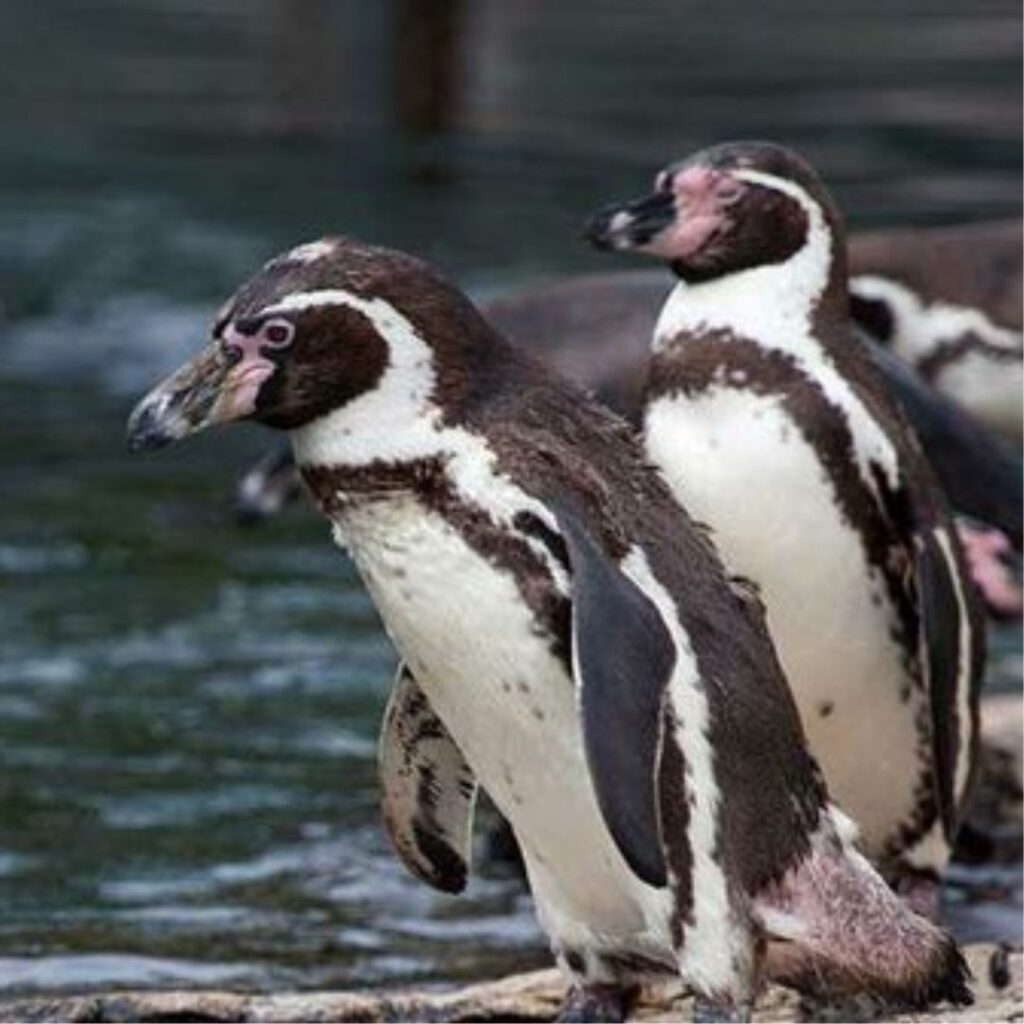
point(573, 645)
point(765, 414)
point(947, 301)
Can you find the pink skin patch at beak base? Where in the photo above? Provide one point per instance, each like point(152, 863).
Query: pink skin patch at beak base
point(701, 194)
point(246, 377)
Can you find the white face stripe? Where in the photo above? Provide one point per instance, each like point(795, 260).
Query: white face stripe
point(790, 188)
point(714, 945)
point(772, 305)
point(400, 421)
point(372, 308)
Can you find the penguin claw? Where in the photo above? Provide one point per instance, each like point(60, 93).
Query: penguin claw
point(600, 1004)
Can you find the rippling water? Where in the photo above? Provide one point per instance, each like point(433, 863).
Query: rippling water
point(187, 708)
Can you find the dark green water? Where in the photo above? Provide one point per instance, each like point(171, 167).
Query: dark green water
point(187, 708)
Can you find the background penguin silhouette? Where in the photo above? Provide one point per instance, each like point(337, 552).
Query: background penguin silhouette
point(947, 301)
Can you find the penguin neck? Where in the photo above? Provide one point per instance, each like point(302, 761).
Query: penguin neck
point(398, 421)
point(779, 305)
point(404, 440)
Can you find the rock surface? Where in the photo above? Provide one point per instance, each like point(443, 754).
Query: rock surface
point(523, 997)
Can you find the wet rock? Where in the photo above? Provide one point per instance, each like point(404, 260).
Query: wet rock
point(524, 997)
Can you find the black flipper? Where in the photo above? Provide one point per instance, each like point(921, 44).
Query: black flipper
point(623, 657)
point(980, 475)
point(942, 612)
point(429, 791)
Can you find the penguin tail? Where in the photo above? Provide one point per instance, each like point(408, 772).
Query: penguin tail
point(836, 931)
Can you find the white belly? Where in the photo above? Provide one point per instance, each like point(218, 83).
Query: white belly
point(472, 644)
point(737, 462)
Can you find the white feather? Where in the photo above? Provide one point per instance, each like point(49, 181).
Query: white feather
point(737, 461)
point(470, 640)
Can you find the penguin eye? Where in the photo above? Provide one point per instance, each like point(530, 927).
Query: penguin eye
point(278, 333)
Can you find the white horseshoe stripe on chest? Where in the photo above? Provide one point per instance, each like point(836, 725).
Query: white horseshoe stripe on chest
point(772, 305)
point(359, 433)
point(428, 789)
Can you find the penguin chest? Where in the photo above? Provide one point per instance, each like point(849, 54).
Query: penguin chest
point(492, 675)
point(737, 461)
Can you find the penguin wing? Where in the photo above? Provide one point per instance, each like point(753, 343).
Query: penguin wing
point(950, 640)
point(978, 472)
point(429, 791)
point(949, 657)
point(622, 660)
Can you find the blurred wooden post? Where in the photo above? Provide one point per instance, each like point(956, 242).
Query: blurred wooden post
point(308, 86)
point(427, 65)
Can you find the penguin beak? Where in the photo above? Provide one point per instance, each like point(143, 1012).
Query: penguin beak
point(633, 225)
point(214, 387)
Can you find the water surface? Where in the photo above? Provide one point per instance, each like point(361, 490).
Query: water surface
point(187, 708)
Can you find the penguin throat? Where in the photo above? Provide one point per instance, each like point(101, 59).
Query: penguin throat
point(774, 298)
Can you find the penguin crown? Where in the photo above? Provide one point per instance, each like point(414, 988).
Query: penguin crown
point(723, 210)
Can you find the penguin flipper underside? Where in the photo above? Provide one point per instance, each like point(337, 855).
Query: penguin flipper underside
point(622, 660)
point(428, 789)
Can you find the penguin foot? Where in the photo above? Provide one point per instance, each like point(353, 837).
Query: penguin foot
point(598, 1003)
point(714, 1011)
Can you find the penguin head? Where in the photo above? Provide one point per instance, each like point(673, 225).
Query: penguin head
point(313, 331)
point(721, 211)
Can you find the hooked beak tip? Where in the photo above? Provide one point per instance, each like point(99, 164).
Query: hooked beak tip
point(599, 230)
point(149, 427)
point(632, 226)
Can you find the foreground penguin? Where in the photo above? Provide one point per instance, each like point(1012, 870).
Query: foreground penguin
point(573, 645)
point(765, 414)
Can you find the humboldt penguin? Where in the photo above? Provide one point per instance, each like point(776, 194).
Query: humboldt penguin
point(767, 417)
point(572, 642)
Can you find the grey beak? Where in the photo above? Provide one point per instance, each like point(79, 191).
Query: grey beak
point(629, 225)
point(187, 401)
